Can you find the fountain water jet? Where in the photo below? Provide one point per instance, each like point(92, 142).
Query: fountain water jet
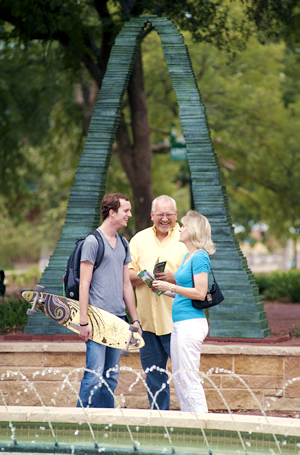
point(151, 417)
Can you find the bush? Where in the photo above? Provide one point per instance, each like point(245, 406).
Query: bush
point(13, 314)
point(296, 331)
point(280, 285)
point(18, 244)
point(28, 279)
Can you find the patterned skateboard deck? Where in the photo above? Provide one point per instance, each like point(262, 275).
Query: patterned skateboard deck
point(107, 328)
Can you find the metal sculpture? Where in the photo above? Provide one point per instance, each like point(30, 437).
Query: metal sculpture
point(242, 313)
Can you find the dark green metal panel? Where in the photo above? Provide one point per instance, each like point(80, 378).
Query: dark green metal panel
point(241, 314)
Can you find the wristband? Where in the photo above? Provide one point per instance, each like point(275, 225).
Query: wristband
point(84, 325)
point(136, 320)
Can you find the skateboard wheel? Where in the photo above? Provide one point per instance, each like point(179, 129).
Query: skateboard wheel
point(31, 312)
point(134, 342)
point(39, 288)
point(125, 353)
point(133, 328)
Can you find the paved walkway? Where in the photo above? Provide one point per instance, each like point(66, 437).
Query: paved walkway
point(282, 319)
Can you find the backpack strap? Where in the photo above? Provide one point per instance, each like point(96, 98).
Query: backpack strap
point(101, 248)
point(125, 244)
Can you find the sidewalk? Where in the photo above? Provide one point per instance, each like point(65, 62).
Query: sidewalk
point(282, 317)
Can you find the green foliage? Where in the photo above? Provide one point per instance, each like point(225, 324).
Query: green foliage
point(28, 279)
point(18, 244)
point(30, 86)
point(252, 103)
point(253, 112)
point(280, 285)
point(13, 314)
point(256, 135)
point(40, 145)
point(296, 330)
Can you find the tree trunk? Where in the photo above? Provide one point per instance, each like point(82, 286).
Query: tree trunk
point(136, 158)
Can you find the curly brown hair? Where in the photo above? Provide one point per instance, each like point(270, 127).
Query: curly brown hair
point(111, 202)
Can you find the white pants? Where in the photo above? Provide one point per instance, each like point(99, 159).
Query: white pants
point(186, 341)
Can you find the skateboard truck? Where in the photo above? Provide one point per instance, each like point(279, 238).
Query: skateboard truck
point(130, 341)
point(31, 311)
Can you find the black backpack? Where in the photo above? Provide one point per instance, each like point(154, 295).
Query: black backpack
point(71, 276)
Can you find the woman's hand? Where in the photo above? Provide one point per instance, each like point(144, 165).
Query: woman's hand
point(162, 285)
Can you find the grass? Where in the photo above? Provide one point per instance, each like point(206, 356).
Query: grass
point(13, 314)
point(26, 279)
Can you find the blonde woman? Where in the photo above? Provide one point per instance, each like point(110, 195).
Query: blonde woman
point(189, 324)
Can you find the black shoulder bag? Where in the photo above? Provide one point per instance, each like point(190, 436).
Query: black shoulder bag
point(214, 295)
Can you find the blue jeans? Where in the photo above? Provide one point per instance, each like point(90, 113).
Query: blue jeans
point(156, 352)
point(93, 392)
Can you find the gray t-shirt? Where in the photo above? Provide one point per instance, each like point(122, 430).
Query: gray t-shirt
point(106, 289)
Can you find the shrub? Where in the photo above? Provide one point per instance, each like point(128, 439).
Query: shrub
point(13, 314)
point(296, 331)
point(27, 279)
point(280, 285)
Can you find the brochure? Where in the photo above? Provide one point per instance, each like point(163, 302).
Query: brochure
point(148, 278)
point(159, 267)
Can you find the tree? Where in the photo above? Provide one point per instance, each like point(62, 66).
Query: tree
point(36, 99)
point(254, 130)
point(85, 32)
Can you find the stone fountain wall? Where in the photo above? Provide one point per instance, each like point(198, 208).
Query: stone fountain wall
point(267, 370)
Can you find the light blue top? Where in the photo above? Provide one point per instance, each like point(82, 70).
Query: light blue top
point(182, 308)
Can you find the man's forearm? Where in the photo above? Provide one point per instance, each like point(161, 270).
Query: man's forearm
point(83, 302)
point(129, 299)
point(135, 280)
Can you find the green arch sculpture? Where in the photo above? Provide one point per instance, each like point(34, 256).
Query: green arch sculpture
point(242, 313)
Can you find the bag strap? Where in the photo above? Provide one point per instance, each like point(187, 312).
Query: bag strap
point(101, 247)
point(125, 244)
point(193, 273)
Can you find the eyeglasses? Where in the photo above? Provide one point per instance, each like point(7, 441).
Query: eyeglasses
point(162, 215)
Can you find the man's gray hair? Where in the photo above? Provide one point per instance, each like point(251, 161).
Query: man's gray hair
point(164, 198)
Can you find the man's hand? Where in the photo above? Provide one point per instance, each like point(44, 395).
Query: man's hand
point(137, 324)
point(165, 276)
point(135, 280)
point(86, 332)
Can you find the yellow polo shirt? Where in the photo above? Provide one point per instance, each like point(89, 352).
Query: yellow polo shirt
point(155, 314)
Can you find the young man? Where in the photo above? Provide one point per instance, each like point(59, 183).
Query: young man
point(109, 288)
point(157, 243)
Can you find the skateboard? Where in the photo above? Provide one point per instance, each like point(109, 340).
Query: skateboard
point(107, 328)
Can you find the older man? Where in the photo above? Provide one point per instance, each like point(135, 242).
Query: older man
point(157, 243)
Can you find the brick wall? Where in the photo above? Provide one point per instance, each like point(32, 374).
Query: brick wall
point(31, 372)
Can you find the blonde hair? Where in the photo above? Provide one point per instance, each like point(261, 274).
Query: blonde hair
point(199, 230)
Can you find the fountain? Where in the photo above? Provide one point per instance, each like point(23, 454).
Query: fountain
point(45, 429)
point(53, 429)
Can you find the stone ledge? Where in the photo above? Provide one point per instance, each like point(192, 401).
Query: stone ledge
point(237, 349)
point(178, 419)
